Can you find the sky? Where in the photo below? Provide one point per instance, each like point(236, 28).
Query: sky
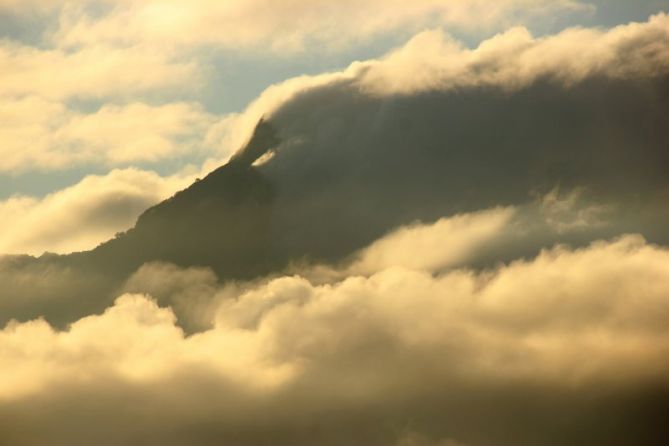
point(375, 223)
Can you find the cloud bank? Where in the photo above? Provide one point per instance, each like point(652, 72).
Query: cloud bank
point(342, 357)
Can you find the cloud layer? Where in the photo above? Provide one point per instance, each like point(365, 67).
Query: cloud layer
point(573, 323)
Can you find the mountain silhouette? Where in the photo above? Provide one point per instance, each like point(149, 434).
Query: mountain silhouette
point(338, 180)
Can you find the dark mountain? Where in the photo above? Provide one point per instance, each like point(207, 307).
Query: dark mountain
point(347, 168)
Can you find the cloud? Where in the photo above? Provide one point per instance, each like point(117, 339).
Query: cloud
point(514, 59)
point(433, 61)
point(46, 135)
point(410, 247)
point(43, 128)
point(565, 212)
point(23, 7)
point(293, 26)
point(81, 216)
point(193, 293)
point(574, 323)
point(94, 71)
point(432, 322)
point(510, 61)
point(353, 165)
point(134, 97)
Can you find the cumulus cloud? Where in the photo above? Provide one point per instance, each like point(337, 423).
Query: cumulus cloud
point(568, 322)
point(434, 61)
point(513, 59)
point(83, 215)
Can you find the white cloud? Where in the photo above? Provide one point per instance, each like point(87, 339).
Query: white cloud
point(568, 320)
point(41, 134)
point(82, 216)
point(38, 82)
point(514, 59)
point(412, 247)
point(95, 71)
point(287, 352)
point(290, 26)
point(611, 297)
point(40, 127)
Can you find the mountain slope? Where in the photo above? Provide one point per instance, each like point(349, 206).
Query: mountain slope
point(344, 175)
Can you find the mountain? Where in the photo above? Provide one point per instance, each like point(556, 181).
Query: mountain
point(338, 180)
